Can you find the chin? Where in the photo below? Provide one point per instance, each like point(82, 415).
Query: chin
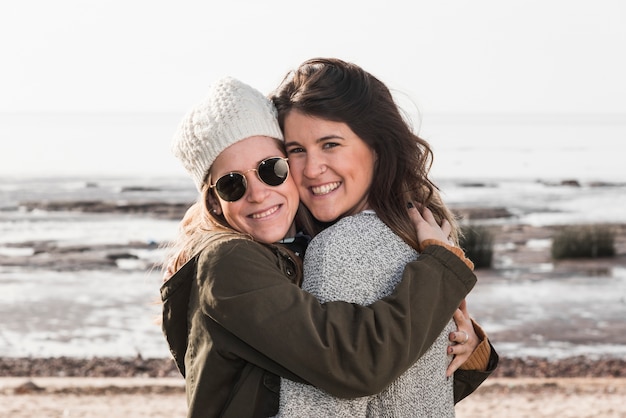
point(325, 217)
point(264, 239)
point(270, 237)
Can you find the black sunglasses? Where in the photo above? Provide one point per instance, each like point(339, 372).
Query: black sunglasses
point(271, 171)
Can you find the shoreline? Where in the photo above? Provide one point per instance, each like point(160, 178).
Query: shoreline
point(518, 261)
point(134, 368)
point(138, 385)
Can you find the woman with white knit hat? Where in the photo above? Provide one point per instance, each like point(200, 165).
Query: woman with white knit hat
point(233, 314)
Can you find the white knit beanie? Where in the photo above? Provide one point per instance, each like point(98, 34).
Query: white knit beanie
point(232, 111)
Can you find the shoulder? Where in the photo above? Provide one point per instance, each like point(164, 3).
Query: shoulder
point(362, 229)
point(226, 246)
point(351, 226)
point(360, 219)
point(231, 252)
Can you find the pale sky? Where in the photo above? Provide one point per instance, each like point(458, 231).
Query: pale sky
point(458, 56)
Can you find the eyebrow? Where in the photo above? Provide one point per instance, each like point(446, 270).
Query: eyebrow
point(317, 141)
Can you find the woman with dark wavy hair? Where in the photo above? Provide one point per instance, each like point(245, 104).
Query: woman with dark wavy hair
point(357, 165)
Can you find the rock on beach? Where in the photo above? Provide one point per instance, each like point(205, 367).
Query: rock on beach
point(531, 367)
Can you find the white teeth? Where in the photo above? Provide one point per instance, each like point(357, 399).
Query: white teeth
point(264, 214)
point(327, 188)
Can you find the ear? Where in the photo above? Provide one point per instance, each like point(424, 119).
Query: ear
point(213, 204)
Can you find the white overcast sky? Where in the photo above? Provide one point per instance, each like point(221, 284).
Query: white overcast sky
point(448, 56)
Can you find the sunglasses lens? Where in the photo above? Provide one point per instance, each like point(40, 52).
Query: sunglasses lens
point(231, 187)
point(273, 171)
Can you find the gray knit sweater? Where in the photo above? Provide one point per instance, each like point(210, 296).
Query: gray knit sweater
point(360, 260)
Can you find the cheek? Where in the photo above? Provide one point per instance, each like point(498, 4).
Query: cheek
point(296, 168)
point(362, 174)
point(292, 194)
point(368, 161)
point(231, 213)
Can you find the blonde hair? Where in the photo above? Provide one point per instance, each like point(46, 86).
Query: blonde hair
point(198, 228)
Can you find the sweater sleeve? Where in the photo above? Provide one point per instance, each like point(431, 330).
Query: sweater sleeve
point(346, 349)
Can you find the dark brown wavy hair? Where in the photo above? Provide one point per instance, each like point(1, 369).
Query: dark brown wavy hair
point(339, 91)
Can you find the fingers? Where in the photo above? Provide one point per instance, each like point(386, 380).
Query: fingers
point(455, 364)
point(459, 350)
point(459, 336)
point(426, 225)
point(463, 308)
point(446, 227)
point(463, 341)
point(429, 217)
point(414, 214)
point(462, 321)
point(459, 318)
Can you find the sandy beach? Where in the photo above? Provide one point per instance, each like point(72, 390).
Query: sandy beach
point(555, 397)
point(164, 397)
point(125, 388)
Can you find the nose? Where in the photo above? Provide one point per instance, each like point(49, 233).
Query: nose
point(257, 190)
point(314, 165)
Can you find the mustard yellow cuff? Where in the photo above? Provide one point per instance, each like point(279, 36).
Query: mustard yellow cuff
point(479, 360)
point(455, 250)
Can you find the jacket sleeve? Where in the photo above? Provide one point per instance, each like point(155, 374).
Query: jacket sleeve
point(346, 349)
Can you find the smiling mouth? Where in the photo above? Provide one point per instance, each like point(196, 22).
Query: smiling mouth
point(325, 189)
point(266, 213)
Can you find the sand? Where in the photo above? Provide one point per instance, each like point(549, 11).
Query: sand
point(164, 397)
point(558, 397)
point(92, 397)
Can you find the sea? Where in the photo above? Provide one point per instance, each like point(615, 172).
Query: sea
point(546, 170)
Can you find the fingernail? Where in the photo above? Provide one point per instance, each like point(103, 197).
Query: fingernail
point(409, 205)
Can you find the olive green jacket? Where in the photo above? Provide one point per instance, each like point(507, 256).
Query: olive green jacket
point(235, 320)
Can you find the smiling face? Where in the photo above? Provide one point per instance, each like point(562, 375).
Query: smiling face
point(264, 212)
point(331, 166)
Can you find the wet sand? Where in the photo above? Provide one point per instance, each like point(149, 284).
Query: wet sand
point(560, 397)
point(120, 388)
point(164, 397)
